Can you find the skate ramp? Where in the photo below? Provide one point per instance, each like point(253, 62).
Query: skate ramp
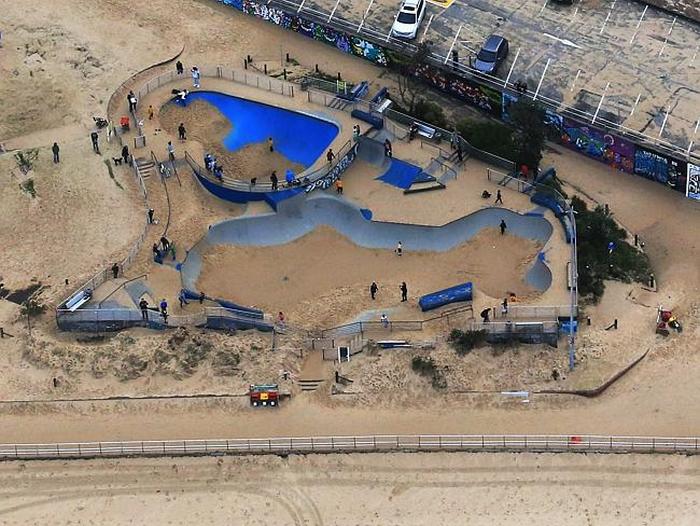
point(302, 214)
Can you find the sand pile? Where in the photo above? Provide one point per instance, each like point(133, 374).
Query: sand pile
point(206, 125)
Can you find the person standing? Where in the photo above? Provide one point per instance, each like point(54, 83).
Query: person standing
point(387, 149)
point(143, 305)
point(271, 144)
point(385, 320)
point(503, 227)
point(165, 243)
point(499, 199)
point(179, 68)
point(485, 315)
point(195, 76)
point(330, 155)
point(202, 297)
point(115, 270)
point(339, 186)
point(131, 99)
point(95, 146)
point(125, 154)
point(504, 307)
point(404, 291)
point(151, 212)
point(151, 113)
point(373, 288)
point(182, 132)
point(454, 139)
point(274, 180)
point(399, 249)
point(171, 152)
point(164, 310)
point(182, 298)
point(55, 149)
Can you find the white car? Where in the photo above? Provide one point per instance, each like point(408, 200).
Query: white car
point(408, 19)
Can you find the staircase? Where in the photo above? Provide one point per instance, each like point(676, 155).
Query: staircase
point(146, 167)
point(310, 385)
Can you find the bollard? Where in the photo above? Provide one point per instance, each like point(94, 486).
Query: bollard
point(245, 64)
point(265, 69)
point(652, 281)
point(249, 58)
point(316, 68)
point(284, 73)
point(636, 240)
point(287, 57)
point(2, 332)
point(615, 324)
point(339, 76)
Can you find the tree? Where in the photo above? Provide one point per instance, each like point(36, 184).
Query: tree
point(528, 118)
point(404, 68)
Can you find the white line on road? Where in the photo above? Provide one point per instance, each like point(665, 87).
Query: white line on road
point(333, 12)
point(539, 85)
point(642, 17)
point(663, 124)
point(454, 41)
point(600, 103)
point(564, 41)
point(510, 71)
point(544, 6)
point(425, 31)
point(575, 79)
point(634, 107)
point(604, 23)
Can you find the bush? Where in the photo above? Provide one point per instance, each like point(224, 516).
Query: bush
point(426, 367)
point(492, 137)
point(426, 111)
point(465, 341)
point(595, 229)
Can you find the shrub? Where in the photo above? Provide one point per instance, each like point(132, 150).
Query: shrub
point(492, 137)
point(426, 367)
point(465, 341)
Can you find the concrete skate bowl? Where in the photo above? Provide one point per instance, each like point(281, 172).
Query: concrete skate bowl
point(301, 215)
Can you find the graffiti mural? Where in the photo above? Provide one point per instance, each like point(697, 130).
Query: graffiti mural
point(599, 145)
point(659, 168)
point(352, 45)
point(486, 99)
point(692, 187)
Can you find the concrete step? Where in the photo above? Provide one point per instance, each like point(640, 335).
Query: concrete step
point(310, 385)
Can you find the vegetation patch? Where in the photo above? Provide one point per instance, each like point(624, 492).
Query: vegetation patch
point(465, 341)
point(604, 253)
point(427, 368)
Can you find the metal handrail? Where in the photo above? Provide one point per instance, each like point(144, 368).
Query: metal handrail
point(572, 443)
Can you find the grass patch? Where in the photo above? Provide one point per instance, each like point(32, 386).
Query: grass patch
point(28, 187)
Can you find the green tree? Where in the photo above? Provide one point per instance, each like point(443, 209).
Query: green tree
point(404, 67)
point(528, 119)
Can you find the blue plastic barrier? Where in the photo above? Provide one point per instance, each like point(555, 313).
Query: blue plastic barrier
point(437, 299)
point(380, 96)
point(548, 201)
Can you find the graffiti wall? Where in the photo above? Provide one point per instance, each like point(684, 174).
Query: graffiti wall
point(553, 121)
point(486, 99)
point(346, 43)
point(601, 146)
point(665, 170)
point(692, 187)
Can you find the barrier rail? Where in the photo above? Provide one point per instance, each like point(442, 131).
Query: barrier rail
point(357, 444)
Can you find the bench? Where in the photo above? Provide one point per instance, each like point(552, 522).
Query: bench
point(384, 106)
point(78, 299)
point(427, 132)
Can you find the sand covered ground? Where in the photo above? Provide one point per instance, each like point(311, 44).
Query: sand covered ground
point(206, 125)
point(371, 489)
point(325, 276)
point(60, 63)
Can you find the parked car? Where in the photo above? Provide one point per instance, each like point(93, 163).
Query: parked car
point(408, 19)
point(492, 54)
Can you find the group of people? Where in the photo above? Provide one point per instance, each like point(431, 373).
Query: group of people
point(485, 314)
point(212, 166)
point(163, 305)
point(162, 249)
point(374, 289)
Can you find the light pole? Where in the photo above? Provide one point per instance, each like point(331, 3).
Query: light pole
point(574, 289)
